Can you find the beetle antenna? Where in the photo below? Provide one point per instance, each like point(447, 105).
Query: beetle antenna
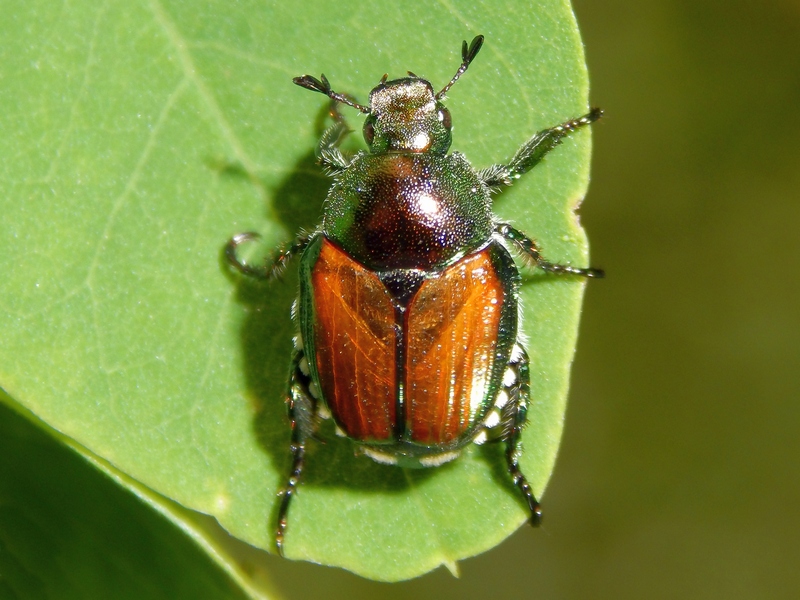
point(324, 87)
point(468, 54)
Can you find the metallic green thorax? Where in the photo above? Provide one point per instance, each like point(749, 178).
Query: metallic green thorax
point(408, 210)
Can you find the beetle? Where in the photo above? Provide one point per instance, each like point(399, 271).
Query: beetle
point(407, 313)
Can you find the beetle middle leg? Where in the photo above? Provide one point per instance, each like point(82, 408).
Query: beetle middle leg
point(272, 268)
point(302, 407)
point(531, 251)
point(511, 408)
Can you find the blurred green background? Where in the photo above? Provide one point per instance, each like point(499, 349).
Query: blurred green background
point(679, 474)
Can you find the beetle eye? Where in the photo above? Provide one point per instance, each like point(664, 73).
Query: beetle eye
point(369, 132)
point(444, 117)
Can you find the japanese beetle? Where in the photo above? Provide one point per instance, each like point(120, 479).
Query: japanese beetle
point(407, 315)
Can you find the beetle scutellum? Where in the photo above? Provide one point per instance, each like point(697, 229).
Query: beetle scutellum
point(407, 315)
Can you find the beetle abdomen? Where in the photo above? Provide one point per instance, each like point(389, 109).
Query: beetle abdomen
point(423, 372)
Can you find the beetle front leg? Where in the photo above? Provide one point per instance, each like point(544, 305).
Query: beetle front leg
point(328, 153)
point(531, 250)
point(269, 270)
point(302, 408)
point(533, 151)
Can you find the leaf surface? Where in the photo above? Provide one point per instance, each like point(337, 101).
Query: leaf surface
point(139, 136)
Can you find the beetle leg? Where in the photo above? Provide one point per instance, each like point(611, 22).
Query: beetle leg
point(533, 151)
point(302, 408)
point(269, 270)
point(513, 416)
point(531, 250)
point(328, 153)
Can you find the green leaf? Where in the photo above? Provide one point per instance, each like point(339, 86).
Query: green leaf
point(67, 531)
point(139, 136)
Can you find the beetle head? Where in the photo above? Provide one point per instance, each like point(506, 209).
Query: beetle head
point(404, 115)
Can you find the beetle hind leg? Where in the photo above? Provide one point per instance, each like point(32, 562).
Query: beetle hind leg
point(513, 419)
point(511, 407)
point(303, 413)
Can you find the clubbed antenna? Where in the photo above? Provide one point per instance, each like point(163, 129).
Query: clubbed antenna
point(324, 87)
point(468, 54)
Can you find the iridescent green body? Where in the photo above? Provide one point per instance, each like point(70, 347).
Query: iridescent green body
point(408, 306)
